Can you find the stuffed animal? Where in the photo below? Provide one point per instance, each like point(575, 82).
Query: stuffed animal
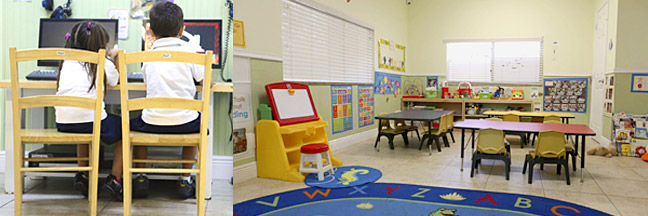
point(603, 151)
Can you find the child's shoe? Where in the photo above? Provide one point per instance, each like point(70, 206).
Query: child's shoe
point(140, 186)
point(81, 183)
point(114, 187)
point(186, 187)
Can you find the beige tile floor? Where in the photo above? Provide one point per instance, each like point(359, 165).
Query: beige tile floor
point(618, 185)
point(56, 196)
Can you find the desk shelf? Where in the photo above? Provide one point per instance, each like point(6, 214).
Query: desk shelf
point(459, 105)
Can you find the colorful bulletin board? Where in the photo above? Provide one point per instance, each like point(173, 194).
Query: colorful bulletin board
point(365, 106)
point(639, 83)
point(565, 95)
point(387, 84)
point(341, 101)
point(391, 55)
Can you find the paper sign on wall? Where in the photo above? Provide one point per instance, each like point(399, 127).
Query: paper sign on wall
point(241, 108)
point(122, 16)
point(365, 106)
point(341, 102)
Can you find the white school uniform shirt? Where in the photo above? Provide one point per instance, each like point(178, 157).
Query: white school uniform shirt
point(171, 79)
point(74, 81)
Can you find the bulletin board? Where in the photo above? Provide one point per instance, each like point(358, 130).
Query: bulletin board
point(391, 55)
point(639, 83)
point(387, 84)
point(565, 95)
point(341, 103)
point(365, 106)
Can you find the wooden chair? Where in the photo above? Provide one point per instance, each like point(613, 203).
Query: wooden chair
point(436, 134)
point(389, 132)
point(52, 136)
point(133, 138)
point(550, 149)
point(491, 145)
point(516, 118)
point(401, 124)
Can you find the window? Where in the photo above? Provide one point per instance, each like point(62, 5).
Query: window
point(513, 61)
point(322, 45)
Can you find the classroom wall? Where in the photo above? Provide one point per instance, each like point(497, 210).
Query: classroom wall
point(570, 23)
point(632, 33)
point(20, 29)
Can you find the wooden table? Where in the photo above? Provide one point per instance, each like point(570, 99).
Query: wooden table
point(413, 115)
point(526, 127)
point(563, 116)
point(31, 88)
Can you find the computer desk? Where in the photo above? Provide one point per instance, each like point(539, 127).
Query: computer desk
point(33, 88)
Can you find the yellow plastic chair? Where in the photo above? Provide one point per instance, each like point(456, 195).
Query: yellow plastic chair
point(52, 136)
point(551, 118)
point(133, 138)
point(401, 124)
point(516, 118)
point(389, 132)
point(450, 126)
point(491, 145)
point(436, 134)
point(550, 149)
point(571, 149)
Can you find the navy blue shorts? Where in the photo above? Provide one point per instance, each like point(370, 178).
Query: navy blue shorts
point(138, 124)
point(111, 130)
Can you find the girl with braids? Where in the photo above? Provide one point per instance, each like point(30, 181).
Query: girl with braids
point(79, 79)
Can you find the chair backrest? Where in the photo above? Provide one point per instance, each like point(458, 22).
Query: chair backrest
point(450, 120)
point(551, 117)
point(493, 119)
point(201, 105)
point(511, 118)
point(384, 122)
point(399, 123)
point(491, 141)
point(552, 122)
point(443, 122)
point(551, 144)
point(98, 58)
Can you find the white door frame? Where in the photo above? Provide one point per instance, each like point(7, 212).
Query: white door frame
point(598, 69)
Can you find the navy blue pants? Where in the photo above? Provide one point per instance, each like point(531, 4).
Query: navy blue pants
point(110, 128)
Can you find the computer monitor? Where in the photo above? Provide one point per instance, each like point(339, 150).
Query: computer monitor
point(205, 34)
point(52, 34)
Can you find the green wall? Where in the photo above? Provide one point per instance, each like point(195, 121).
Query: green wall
point(20, 23)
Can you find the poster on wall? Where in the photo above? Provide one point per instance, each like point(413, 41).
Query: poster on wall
point(391, 55)
point(565, 95)
point(365, 106)
point(640, 83)
point(432, 82)
point(387, 84)
point(341, 101)
point(241, 108)
point(240, 140)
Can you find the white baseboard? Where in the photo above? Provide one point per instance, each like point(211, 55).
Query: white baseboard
point(343, 142)
point(222, 167)
point(245, 172)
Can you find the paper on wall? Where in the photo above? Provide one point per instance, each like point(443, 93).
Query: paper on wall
point(122, 25)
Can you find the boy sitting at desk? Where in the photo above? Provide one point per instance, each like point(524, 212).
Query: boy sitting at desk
point(168, 79)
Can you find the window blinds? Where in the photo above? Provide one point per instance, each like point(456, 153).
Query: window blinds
point(515, 61)
point(321, 47)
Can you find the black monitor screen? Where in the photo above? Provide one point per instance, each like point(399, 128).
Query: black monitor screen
point(52, 34)
point(203, 33)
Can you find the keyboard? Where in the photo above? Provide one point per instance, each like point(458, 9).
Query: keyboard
point(52, 74)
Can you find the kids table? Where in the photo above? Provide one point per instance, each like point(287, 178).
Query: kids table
point(32, 88)
point(414, 115)
point(526, 127)
point(563, 116)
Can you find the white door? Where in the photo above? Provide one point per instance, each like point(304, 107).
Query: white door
point(598, 74)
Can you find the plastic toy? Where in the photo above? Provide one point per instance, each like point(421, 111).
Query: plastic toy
point(517, 95)
point(444, 90)
point(465, 90)
point(498, 93)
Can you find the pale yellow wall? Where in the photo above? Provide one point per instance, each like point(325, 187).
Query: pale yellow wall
point(570, 23)
point(262, 19)
point(632, 30)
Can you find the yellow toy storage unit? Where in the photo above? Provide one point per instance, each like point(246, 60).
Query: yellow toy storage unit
point(278, 154)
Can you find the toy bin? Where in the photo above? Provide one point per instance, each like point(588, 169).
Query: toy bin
point(431, 93)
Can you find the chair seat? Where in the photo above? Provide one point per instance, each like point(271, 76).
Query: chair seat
point(314, 148)
point(407, 127)
point(142, 138)
point(52, 136)
point(533, 154)
point(569, 148)
point(435, 132)
point(392, 131)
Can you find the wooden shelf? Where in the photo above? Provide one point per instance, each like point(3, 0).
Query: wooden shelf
point(476, 116)
point(459, 105)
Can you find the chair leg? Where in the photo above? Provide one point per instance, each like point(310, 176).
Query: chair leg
point(533, 140)
point(526, 161)
point(405, 138)
point(531, 164)
point(127, 181)
point(445, 140)
point(417, 134)
point(566, 164)
point(541, 166)
point(573, 157)
point(452, 136)
point(523, 140)
point(377, 140)
point(391, 141)
point(436, 139)
point(472, 167)
point(94, 177)
point(18, 175)
point(422, 141)
point(558, 169)
point(202, 166)
point(507, 163)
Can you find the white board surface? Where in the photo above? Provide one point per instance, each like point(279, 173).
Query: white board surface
point(292, 106)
